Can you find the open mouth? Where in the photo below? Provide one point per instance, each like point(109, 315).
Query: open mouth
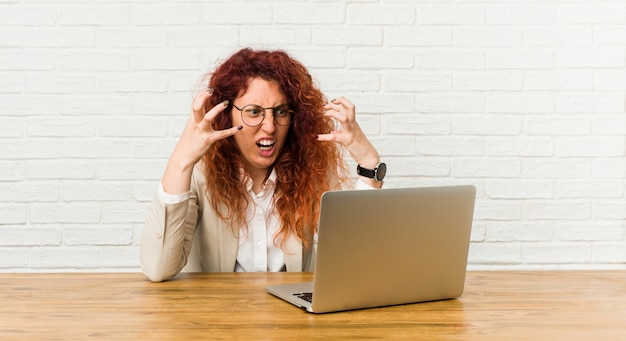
point(266, 145)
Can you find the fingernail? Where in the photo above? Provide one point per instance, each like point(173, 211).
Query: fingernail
point(225, 103)
point(209, 90)
point(239, 127)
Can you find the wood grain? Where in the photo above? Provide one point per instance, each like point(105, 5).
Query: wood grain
point(537, 305)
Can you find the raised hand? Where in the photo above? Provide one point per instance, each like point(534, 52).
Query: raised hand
point(194, 142)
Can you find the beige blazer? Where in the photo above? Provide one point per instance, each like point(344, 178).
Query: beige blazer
point(189, 236)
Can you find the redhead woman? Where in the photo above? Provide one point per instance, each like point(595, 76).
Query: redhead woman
point(241, 190)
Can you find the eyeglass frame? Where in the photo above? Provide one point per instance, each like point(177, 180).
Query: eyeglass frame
point(263, 114)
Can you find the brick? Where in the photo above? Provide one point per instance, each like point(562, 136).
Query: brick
point(556, 210)
point(374, 58)
point(14, 60)
point(109, 15)
point(558, 126)
point(117, 213)
point(11, 83)
point(96, 191)
point(133, 127)
point(33, 235)
point(13, 213)
point(556, 168)
point(590, 189)
point(11, 127)
point(615, 210)
point(450, 145)
point(61, 127)
point(11, 37)
point(498, 231)
point(423, 166)
point(120, 257)
point(64, 213)
point(551, 36)
point(30, 191)
point(495, 253)
point(487, 36)
point(102, 148)
point(451, 104)
point(93, 235)
point(27, 15)
point(11, 171)
point(302, 13)
point(487, 125)
point(519, 189)
point(590, 147)
point(347, 35)
point(160, 60)
point(93, 61)
point(413, 82)
point(131, 169)
point(229, 14)
point(130, 37)
point(380, 15)
point(423, 35)
point(60, 37)
point(272, 35)
point(486, 167)
point(557, 253)
point(441, 14)
point(489, 81)
point(22, 149)
point(450, 59)
point(513, 14)
point(586, 14)
point(325, 57)
point(164, 14)
point(520, 59)
point(418, 125)
point(590, 232)
point(65, 258)
point(559, 80)
point(351, 80)
point(609, 168)
point(519, 146)
point(14, 258)
point(60, 169)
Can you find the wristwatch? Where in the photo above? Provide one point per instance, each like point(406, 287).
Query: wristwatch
point(378, 173)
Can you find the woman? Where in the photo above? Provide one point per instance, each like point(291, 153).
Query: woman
point(242, 187)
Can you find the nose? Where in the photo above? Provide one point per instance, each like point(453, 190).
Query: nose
point(268, 120)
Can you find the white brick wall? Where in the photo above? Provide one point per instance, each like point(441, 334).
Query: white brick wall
point(522, 98)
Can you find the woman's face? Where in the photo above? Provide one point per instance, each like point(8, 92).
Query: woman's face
point(260, 145)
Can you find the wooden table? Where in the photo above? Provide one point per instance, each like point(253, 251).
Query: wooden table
point(536, 305)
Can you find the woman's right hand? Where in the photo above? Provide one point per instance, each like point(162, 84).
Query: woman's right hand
point(194, 142)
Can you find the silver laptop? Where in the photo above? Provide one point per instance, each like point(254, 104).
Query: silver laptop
point(387, 247)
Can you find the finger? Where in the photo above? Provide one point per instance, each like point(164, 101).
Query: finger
point(222, 134)
point(197, 106)
point(342, 101)
point(332, 137)
point(211, 114)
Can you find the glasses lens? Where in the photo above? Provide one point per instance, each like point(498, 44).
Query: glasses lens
point(252, 115)
point(282, 115)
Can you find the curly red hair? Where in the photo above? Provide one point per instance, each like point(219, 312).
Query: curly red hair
point(305, 169)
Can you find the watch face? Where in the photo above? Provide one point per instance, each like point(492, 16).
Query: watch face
point(381, 171)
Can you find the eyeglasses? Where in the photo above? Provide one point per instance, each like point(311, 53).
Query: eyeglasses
point(253, 115)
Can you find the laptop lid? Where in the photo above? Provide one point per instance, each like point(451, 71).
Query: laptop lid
point(390, 246)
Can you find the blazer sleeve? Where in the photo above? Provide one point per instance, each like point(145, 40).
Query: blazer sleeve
point(167, 237)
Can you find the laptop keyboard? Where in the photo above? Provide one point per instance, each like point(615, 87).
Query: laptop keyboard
point(307, 296)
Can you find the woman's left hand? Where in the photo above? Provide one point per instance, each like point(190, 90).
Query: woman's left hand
point(351, 136)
